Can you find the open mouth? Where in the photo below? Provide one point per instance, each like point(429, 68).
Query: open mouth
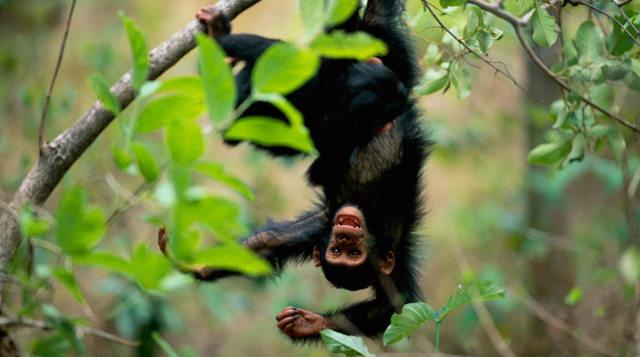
point(349, 218)
point(347, 221)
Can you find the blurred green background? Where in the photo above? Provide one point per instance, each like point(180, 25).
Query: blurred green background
point(552, 238)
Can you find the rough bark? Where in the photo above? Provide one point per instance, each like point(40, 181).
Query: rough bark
point(56, 159)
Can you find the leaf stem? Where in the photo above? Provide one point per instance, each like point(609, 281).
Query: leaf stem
point(437, 336)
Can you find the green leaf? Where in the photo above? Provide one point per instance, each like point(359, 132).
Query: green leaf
point(339, 11)
point(577, 149)
point(485, 40)
point(120, 157)
point(283, 68)
point(617, 143)
point(431, 54)
point(270, 132)
point(105, 260)
point(219, 214)
point(619, 42)
point(79, 228)
point(146, 163)
point(67, 279)
point(544, 27)
point(312, 12)
point(525, 6)
point(233, 257)
point(185, 141)
point(164, 345)
point(139, 50)
point(31, 225)
point(447, 3)
point(617, 69)
point(433, 81)
point(413, 316)
point(574, 296)
point(461, 79)
point(629, 265)
point(149, 268)
point(165, 109)
point(99, 87)
point(289, 110)
point(219, 85)
point(356, 45)
point(598, 131)
point(189, 85)
point(632, 79)
point(472, 292)
point(589, 42)
point(472, 22)
point(51, 346)
point(549, 154)
point(216, 172)
point(347, 345)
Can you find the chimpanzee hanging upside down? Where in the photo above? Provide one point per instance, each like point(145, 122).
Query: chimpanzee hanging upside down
point(371, 154)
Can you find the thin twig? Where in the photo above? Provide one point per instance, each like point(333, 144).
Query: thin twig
point(41, 141)
point(612, 19)
point(562, 84)
point(460, 41)
point(626, 18)
point(42, 325)
point(624, 3)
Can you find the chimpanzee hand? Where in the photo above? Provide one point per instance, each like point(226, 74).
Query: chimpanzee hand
point(300, 323)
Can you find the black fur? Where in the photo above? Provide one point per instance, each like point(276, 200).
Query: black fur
point(381, 175)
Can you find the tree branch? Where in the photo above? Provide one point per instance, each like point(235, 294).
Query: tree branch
point(41, 141)
point(71, 144)
point(517, 25)
point(42, 325)
point(613, 19)
point(626, 18)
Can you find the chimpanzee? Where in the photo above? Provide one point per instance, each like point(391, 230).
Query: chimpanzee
point(362, 230)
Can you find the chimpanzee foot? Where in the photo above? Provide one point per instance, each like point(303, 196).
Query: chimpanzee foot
point(217, 24)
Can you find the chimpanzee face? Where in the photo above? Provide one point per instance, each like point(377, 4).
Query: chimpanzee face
point(347, 243)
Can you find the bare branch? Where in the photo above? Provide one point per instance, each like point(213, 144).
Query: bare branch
point(41, 141)
point(626, 18)
point(42, 325)
point(71, 144)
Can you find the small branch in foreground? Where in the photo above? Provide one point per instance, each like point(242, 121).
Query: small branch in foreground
point(26, 322)
point(42, 144)
point(460, 41)
point(619, 5)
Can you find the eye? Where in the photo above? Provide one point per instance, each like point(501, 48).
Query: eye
point(335, 250)
point(355, 252)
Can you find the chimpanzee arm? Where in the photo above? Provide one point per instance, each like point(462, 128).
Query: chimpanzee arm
point(280, 242)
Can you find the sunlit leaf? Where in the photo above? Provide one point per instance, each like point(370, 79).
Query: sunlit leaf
point(312, 12)
point(574, 296)
point(105, 260)
point(67, 279)
point(402, 325)
point(447, 3)
point(286, 107)
point(283, 68)
point(99, 87)
point(270, 132)
point(120, 157)
point(357, 45)
point(51, 346)
point(219, 85)
point(139, 50)
point(232, 257)
point(149, 268)
point(79, 228)
point(544, 27)
point(339, 11)
point(185, 141)
point(165, 109)
point(461, 79)
point(31, 225)
point(525, 6)
point(189, 85)
point(577, 148)
point(472, 292)
point(219, 214)
point(347, 345)
point(146, 163)
point(216, 172)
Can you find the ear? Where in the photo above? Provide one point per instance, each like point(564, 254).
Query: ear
point(388, 262)
point(316, 257)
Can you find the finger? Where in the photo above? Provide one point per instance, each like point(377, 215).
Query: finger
point(286, 321)
point(289, 330)
point(375, 60)
point(286, 312)
point(304, 312)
